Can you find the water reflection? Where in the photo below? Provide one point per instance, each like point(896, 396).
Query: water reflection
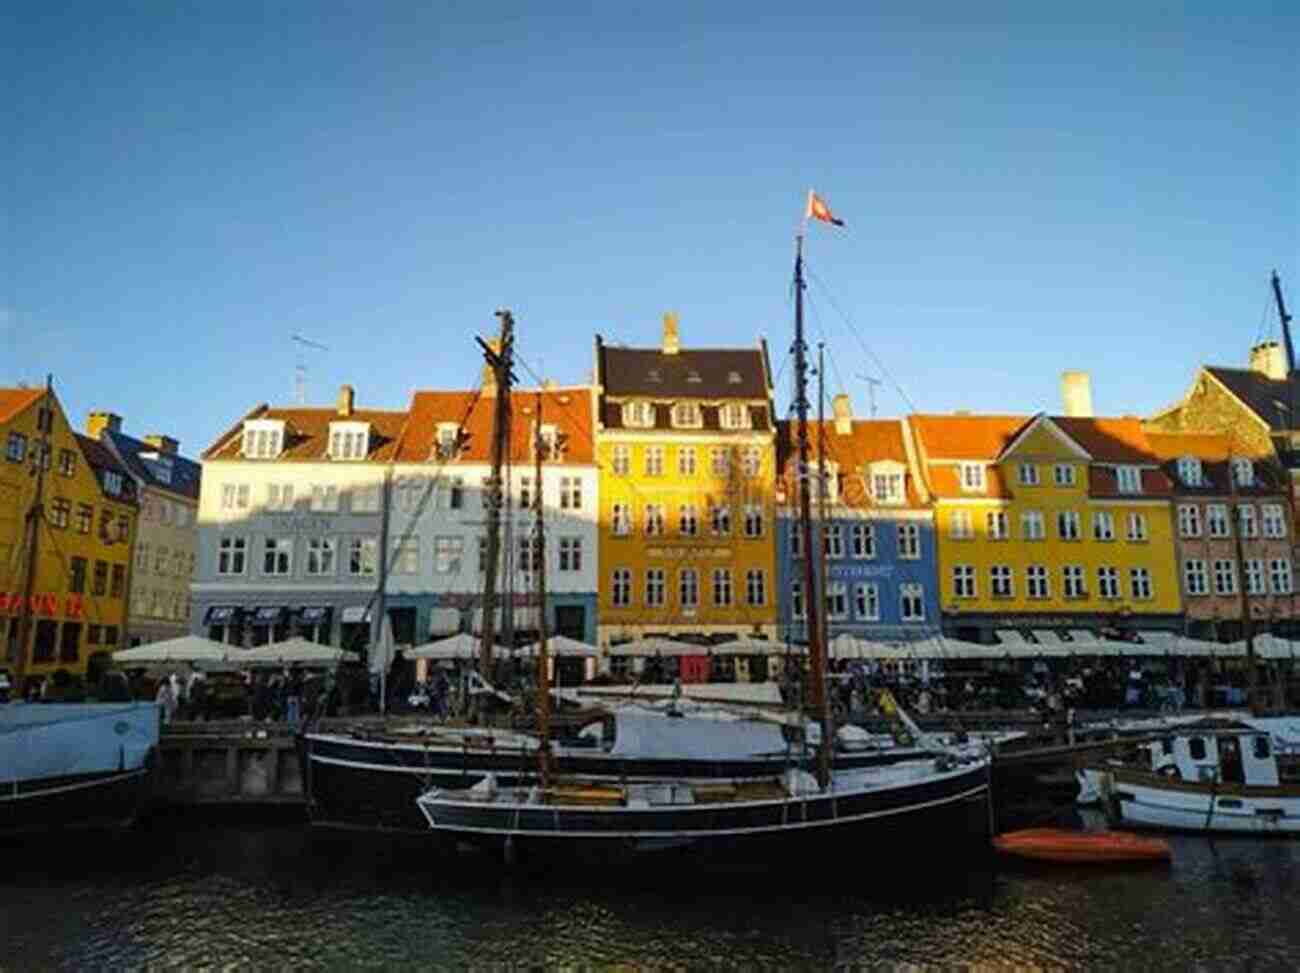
point(181, 892)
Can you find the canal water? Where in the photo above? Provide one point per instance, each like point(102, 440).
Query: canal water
point(253, 893)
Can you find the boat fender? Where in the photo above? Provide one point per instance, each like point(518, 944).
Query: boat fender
point(799, 782)
point(1171, 771)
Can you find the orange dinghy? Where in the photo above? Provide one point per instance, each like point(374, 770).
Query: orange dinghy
point(1081, 847)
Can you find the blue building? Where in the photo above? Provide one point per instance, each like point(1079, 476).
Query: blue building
point(881, 565)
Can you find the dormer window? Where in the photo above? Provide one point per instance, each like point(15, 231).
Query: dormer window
point(1129, 479)
point(972, 477)
point(734, 415)
point(686, 415)
point(1243, 472)
point(693, 377)
point(263, 438)
point(832, 481)
point(886, 480)
point(349, 440)
point(550, 438)
point(655, 376)
point(112, 483)
point(1189, 471)
point(447, 444)
point(733, 378)
point(638, 414)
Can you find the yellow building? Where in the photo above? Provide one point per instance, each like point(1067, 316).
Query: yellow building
point(85, 522)
point(686, 449)
point(1050, 529)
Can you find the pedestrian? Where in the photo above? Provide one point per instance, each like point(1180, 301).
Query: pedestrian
point(166, 699)
point(293, 696)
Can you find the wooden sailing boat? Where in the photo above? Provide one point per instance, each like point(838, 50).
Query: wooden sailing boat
point(940, 799)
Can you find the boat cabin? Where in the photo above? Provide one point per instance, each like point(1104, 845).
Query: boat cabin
point(1239, 755)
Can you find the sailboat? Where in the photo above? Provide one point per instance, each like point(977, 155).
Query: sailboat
point(938, 799)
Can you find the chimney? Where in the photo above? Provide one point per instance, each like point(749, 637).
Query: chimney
point(548, 384)
point(97, 422)
point(1076, 394)
point(1268, 359)
point(843, 411)
point(489, 374)
point(163, 444)
point(672, 340)
point(347, 396)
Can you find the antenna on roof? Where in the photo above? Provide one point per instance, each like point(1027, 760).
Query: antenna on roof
point(872, 383)
point(300, 368)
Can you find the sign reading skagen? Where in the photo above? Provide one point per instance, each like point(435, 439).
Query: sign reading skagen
point(289, 523)
point(677, 552)
point(860, 570)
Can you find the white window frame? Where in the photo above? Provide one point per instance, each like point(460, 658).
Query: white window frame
point(1129, 479)
point(363, 557)
point(837, 600)
point(1216, 520)
point(621, 460)
point(1028, 474)
point(756, 587)
point(1243, 472)
point(1256, 578)
point(262, 439)
point(1002, 583)
point(908, 538)
point(1225, 576)
point(620, 519)
point(911, 602)
point(280, 552)
point(570, 553)
point(751, 461)
point(862, 541)
point(1247, 520)
point(964, 583)
point(656, 591)
point(866, 601)
point(688, 520)
point(686, 461)
point(1074, 582)
point(1273, 517)
point(1033, 527)
point(349, 440)
point(1064, 475)
point(620, 589)
point(1067, 525)
point(734, 415)
point(1195, 577)
point(754, 520)
point(232, 549)
point(688, 588)
point(1038, 582)
point(832, 540)
point(1190, 471)
point(1140, 584)
point(1137, 528)
point(652, 460)
point(654, 519)
point(1189, 520)
point(972, 478)
point(322, 557)
point(1103, 525)
point(324, 498)
point(998, 527)
point(1108, 585)
point(723, 593)
point(961, 526)
point(687, 415)
point(639, 414)
point(1280, 575)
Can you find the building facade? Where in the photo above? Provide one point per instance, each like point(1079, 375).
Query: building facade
point(166, 543)
point(877, 539)
point(85, 527)
point(686, 450)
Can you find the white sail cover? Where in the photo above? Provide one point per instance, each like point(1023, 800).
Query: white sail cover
point(638, 734)
point(62, 739)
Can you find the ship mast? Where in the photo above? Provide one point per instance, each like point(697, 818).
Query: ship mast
point(1237, 524)
point(539, 565)
point(35, 517)
point(500, 359)
point(816, 646)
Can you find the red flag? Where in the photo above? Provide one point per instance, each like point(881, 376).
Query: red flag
point(818, 210)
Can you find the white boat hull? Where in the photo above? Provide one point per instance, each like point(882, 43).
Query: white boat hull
point(1133, 803)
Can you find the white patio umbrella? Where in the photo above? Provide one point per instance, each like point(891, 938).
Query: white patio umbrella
point(562, 645)
point(295, 650)
point(193, 649)
point(461, 646)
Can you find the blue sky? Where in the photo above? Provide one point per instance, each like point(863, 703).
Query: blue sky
point(1027, 190)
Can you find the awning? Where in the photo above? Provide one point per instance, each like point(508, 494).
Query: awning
point(269, 614)
point(356, 613)
point(220, 614)
point(314, 614)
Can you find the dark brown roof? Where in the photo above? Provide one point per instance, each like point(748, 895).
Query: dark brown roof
point(1268, 398)
point(692, 373)
point(101, 459)
point(307, 433)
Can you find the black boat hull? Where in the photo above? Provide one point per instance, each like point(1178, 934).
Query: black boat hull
point(110, 799)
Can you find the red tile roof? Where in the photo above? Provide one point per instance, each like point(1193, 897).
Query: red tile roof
point(568, 409)
point(945, 481)
point(14, 401)
point(1210, 446)
point(1118, 440)
point(966, 437)
point(868, 441)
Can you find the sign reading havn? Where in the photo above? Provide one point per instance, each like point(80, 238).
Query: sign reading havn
point(41, 603)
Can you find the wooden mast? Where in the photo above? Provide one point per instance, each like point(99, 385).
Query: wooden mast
point(35, 517)
point(1237, 525)
point(539, 565)
point(816, 648)
point(500, 360)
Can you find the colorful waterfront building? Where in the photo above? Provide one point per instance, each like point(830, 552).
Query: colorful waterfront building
point(686, 449)
point(1050, 527)
point(877, 537)
point(76, 611)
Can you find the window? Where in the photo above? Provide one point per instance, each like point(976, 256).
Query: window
point(1037, 584)
point(1028, 474)
point(654, 461)
point(525, 493)
point(688, 524)
point(833, 540)
point(1246, 520)
point(1279, 570)
point(1189, 471)
point(570, 553)
point(448, 443)
point(1000, 581)
point(1189, 520)
point(1067, 525)
point(1074, 581)
point(960, 526)
point(1243, 472)
point(911, 602)
point(1140, 584)
point(1108, 582)
point(1196, 747)
point(654, 519)
point(142, 558)
point(482, 555)
point(751, 461)
point(887, 487)
point(796, 599)
point(1063, 473)
point(1031, 525)
point(654, 587)
point(1137, 527)
point(77, 583)
point(85, 518)
point(231, 552)
point(720, 520)
point(1103, 525)
point(756, 587)
point(862, 540)
point(720, 458)
point(406, 556)
point(686, 461)
point(67, 462)
point(866, 602)
point(639, 414)
point(796, 540)
point(570, 493)
point(622, 461)
point(277, 555)
point(689, 588)
point(837, 600)
point(365, 499)
point(972, 477)
point(363, 556)
point(686, 415)
point(909, 541)
point(324, 498)
point(16, 448)
point(349, 440)
point(448, 554)
point(525, 562)
point(734, 415)
point(1255, 577)
point(997, 525)
point(1225, 577)
point(722, 587)
point(1194, 576)
point(160, 561)
point(963, 580)
point(754, 520)
point(279, 496)
point(1216, 520)
point(1274, 520)
point(60, 512)
point(456, 493)
point(100, 585)
point(620, 520)
point(621, 591)
point(118, 584)
point(1129, 479)
point(123, 526)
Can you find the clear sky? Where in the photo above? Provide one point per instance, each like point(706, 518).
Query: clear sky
point(1026, 189)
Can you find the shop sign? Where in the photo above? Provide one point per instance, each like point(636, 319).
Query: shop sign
point(41, 603)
